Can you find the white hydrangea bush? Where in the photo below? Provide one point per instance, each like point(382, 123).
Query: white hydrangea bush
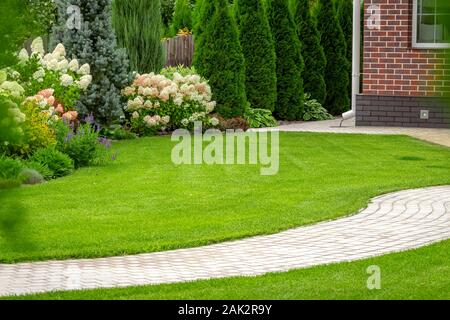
point(167, 101)
point(40, 72)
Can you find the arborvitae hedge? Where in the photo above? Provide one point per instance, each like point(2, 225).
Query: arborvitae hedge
point(289, 105)
point(95, 43)
point(259, 53)
point(182, 17)
point(218, 57)
point(138, 27)
point(345, 14)
point(336, 72)
point(312, 51)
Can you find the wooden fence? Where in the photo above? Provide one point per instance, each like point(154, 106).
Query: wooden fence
point(179, 50)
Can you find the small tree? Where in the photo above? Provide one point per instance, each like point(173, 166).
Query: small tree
point(345, 14)
point(312, 51)
point(336, 72)
point(289, 61)
point(87, 33)
point(259, 53)
point(218, 57)
point(138, 28)
point(182, 17)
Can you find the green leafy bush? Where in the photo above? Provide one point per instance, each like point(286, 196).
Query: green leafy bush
point(169, 72)
point(59, 163)
point(314, 110)
point(10, 170)
point(43, 169)
point(11, 120)
point(290, 63)
point(260, 118)
point(81, 145)
point(236, 123)
point(36, 132)
point(95, 44)
point(157, 102)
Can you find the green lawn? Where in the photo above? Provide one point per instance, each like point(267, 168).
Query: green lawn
point(144, 203)
point(418, 274)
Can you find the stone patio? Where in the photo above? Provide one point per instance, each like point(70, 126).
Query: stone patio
point(438, 136)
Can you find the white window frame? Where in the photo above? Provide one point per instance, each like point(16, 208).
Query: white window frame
point(423, 45)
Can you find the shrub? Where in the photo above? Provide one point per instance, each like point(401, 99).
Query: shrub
point(259, 53)
point(138, 28)
point(169, 72)
point(64, 79)
point(167, 8)
point(59, 163)
point(157, 102)
point(95, 44)
point(314, 110)
point(31, 176)
point(345, 14)
point(11, 120)
point(36, 132)
point(10, 170)
point(218, 57)
point(260, 118)
point(289, 62)
point(43, 169)
point(182, 17)
point(336, 71)
point(81, 145)
point(236, 123)
point(117, 132)
point(312, 51)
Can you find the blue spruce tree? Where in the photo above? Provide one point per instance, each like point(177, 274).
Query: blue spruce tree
point(85, 29)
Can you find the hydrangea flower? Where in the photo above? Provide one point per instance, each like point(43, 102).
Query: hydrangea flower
point(66, 80)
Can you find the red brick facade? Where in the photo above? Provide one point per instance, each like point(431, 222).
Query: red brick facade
point(391, 66)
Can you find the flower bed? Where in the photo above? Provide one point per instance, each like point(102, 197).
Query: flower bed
point(174, 99)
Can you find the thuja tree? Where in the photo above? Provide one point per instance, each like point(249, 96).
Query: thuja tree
point(219, 58)
point(203, 10)
point(312, 51)
point(289, 62)
point(182, 17)
point(345, 14)
point(87, 33)
point(259, 53)
point(138, 27)
point(336, 71)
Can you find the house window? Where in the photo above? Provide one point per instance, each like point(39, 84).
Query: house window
point(431, 24)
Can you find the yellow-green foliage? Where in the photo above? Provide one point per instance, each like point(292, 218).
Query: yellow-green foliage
point(37, 133)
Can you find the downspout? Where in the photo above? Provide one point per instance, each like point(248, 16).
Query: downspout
point(356, 55)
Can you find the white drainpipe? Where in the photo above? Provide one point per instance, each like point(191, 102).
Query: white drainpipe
point(356, 64)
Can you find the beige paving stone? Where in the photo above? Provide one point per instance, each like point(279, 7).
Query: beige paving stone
point(438, 136)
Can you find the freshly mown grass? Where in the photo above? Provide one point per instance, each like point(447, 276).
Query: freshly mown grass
point(144, 203)
point(417, 274)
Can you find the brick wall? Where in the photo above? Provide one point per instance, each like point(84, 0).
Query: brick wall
point(402, 111)
point(391, 66)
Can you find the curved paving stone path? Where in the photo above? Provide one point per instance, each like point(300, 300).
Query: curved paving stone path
point(393, 222)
